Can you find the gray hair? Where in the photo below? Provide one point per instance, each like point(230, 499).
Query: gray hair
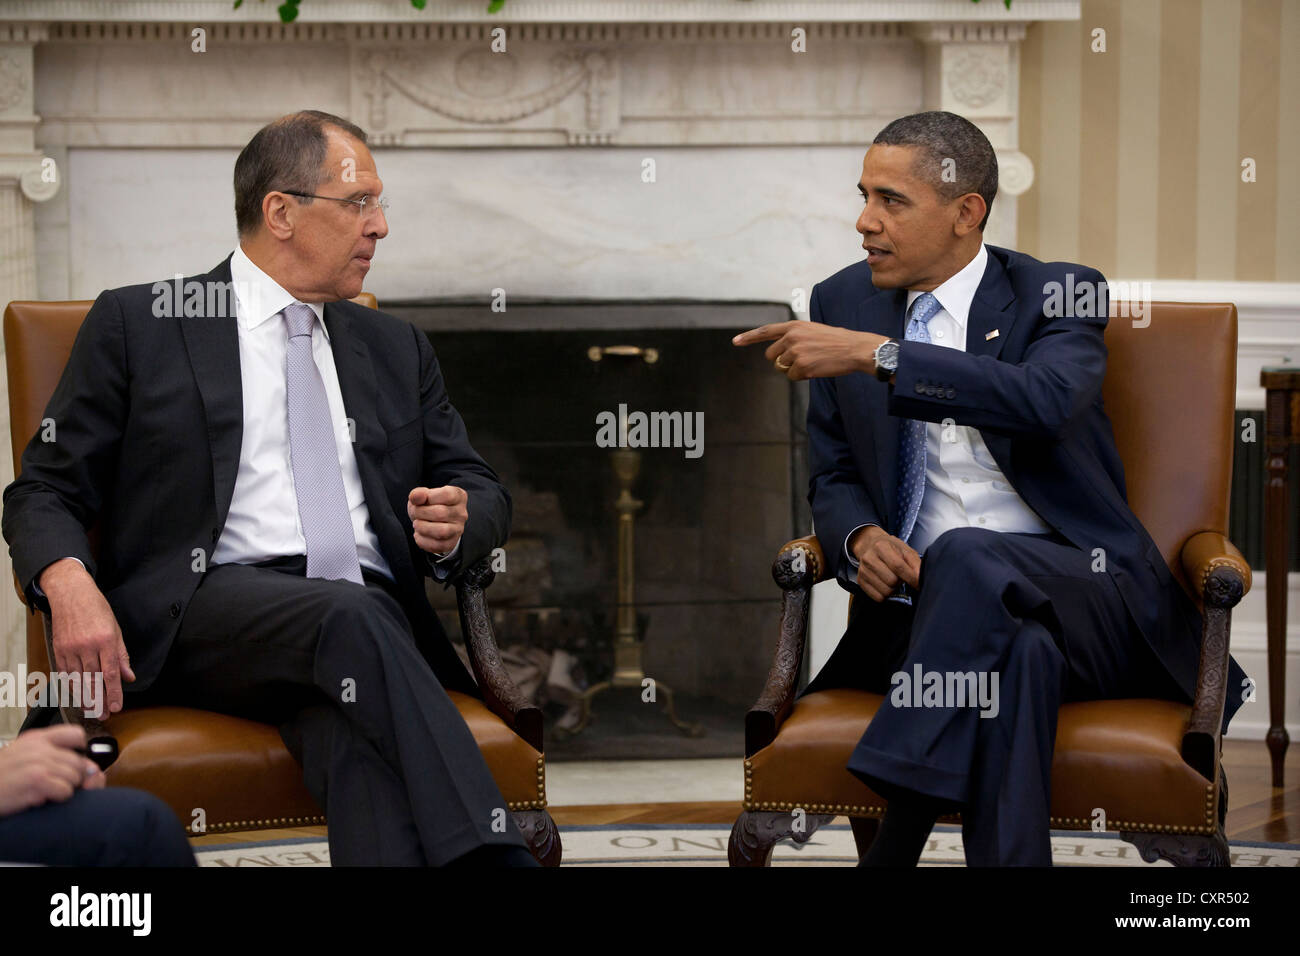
point(285, 155)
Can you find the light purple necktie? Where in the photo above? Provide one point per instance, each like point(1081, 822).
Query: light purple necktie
point(313, 451)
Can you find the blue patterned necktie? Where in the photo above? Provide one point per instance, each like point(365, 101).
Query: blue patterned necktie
point(314, 457)
point(911, 436)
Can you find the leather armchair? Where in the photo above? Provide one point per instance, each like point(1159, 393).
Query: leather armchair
point(238, 771)
point(1153, 764)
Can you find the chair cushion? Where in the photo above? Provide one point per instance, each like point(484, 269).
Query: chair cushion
point(243, 778)
point(1122, 756)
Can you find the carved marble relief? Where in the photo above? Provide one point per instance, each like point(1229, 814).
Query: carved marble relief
point(572, 92)
point(977, 76)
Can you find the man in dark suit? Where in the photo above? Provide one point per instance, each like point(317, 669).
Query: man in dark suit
point(995, 541)
point(276, 470)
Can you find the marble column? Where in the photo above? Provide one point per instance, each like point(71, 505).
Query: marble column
point(974, 69)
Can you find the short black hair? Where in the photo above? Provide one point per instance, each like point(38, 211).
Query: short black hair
point(939, 136)
point(285, 155)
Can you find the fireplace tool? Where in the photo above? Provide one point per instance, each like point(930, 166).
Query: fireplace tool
point(629, 669)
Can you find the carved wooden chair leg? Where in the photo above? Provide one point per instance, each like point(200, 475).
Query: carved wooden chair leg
point(541, 835)
point(1188, 849)
point(1181, 849)
point(755, 833)
point(864, 832)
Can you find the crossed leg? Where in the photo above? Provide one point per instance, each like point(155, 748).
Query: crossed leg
point(1029, 615)
point(335, 665)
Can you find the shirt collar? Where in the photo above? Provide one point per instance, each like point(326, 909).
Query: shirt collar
point(260, 298)
point(956, 294)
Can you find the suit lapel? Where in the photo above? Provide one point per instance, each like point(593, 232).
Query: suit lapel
point(357, 384)
point(212, 340)
point(992, 310)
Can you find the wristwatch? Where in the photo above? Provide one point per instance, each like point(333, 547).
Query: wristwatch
point(886, 357)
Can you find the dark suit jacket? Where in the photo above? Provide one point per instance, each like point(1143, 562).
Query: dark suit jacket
point(149, 418)
point(1034, 393)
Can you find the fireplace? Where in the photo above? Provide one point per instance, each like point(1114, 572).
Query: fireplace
point(542, 388)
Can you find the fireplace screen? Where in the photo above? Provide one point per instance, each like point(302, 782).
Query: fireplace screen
point(655, 471)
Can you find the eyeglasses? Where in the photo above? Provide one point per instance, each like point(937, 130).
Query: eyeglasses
point(368, 205)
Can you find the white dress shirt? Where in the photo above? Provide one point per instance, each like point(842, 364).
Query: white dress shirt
point(964, 487)
point(263, 520)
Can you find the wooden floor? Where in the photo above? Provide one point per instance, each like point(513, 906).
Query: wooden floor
point(1257, 812)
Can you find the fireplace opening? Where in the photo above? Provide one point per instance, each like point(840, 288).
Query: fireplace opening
point(600, 414)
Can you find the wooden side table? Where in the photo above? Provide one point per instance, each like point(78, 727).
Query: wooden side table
point(1281, 431)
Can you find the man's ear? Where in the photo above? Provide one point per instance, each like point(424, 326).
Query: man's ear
point(970, 213)
point(277, 215)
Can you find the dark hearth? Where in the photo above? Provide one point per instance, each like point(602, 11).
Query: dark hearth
point(705, 535)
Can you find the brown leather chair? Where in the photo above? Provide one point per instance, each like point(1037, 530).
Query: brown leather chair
point(1152, 764)
point(238, 771)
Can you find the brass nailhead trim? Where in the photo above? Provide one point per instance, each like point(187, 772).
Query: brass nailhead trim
point(261, 824)
point(538, 804)
point(1066, 823)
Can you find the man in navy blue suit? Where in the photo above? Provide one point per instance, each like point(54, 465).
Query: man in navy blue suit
point(965, 482)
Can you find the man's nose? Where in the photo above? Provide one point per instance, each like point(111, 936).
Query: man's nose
point(377, 225)
point(868, 222)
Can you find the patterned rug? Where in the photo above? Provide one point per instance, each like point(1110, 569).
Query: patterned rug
point(705, 844)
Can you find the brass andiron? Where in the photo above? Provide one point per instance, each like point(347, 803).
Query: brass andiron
point(629, 669)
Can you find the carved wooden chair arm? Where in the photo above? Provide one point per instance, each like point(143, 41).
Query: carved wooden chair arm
point(500, 694)
point(1207, 550)
point(1221, 577)
point(797, 568)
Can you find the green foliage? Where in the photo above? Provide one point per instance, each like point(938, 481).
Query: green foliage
point(289, 9)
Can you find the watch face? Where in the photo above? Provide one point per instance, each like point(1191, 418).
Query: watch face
point(887, 357)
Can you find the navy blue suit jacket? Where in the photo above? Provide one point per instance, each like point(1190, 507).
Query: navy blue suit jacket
point(1034, 393)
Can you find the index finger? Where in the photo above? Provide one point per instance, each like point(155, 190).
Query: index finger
point(895, 559)
point(72, 736)
point(912, 561)
point(764, 333)
point(95, 779)
point(111, 689)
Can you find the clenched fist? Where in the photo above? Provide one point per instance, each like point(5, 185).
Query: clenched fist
point(883, 561)
point(438, 516)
